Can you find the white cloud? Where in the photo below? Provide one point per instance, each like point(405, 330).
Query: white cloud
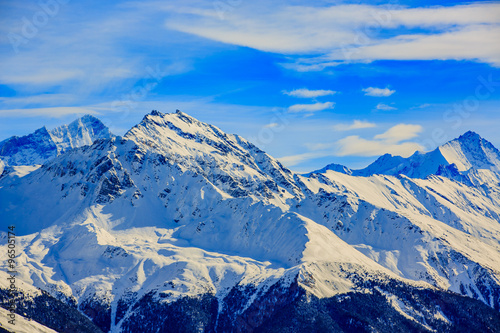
point(474, 43)
point(271, 125)
point(50, 112)
point(356, 146)
point(310, 65)
point(306, 93)
point(422, 106)
point(45, 99)
point(378, 92)
point(319, 146)
point(385, 107)
point(336, 32)
point(390, 142)
point(292, 160)
point(393, 141)
point(311, 107)
point(400, 133)
point(357, 124)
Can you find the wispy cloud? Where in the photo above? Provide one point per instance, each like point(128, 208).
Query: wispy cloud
point(310, 65)
point(399, 133)
point(378, 92)
point(460, 32)
point(393, 141)
point(421, 106)
point(311, 107)
point(50, 112)
point(41, 99)
point(51, 59)
point(385, 107)
point(356, 124)
point(473, 43)
point(306, 93)
point(293, 160)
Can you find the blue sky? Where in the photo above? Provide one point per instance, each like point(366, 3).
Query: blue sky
point(310, 82)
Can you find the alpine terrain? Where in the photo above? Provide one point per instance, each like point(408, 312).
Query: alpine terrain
point(180, 227)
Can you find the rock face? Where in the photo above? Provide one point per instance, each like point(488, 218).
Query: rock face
point(178, 226)
point(43, 144)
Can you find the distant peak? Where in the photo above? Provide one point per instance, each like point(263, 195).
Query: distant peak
point(470, 135)
point(157, 113)
point(43, 130)
point(334, 167)
point(89, 118)
point(88, 122)
point(388, 157)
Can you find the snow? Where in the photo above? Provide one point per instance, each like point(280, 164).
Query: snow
point(440, 316)
point(180, 208)
point(409, 227)
point(406, 310)
point(22, 324)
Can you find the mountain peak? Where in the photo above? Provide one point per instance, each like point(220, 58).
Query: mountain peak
point(170, 117)
point(471, 151)
point(42, 130)
point(156, 113)
point(469, 135)
point(157, 126)
point(334, 167)
point(205, 149)
point(44, 144)
point(88, 119)
point(81, 132)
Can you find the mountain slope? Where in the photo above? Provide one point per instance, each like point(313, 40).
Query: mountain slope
point(178, 224)
point(43, 144)
point(435, 230)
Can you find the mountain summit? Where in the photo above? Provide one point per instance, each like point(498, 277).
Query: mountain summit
point(44, 144)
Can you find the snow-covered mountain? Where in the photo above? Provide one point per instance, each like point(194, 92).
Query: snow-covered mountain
point(334, 167)
point(457, 157)
point(178, 226)
point(44, 144)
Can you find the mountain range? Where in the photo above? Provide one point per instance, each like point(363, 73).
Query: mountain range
point(180, 227)
point(462, 155)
